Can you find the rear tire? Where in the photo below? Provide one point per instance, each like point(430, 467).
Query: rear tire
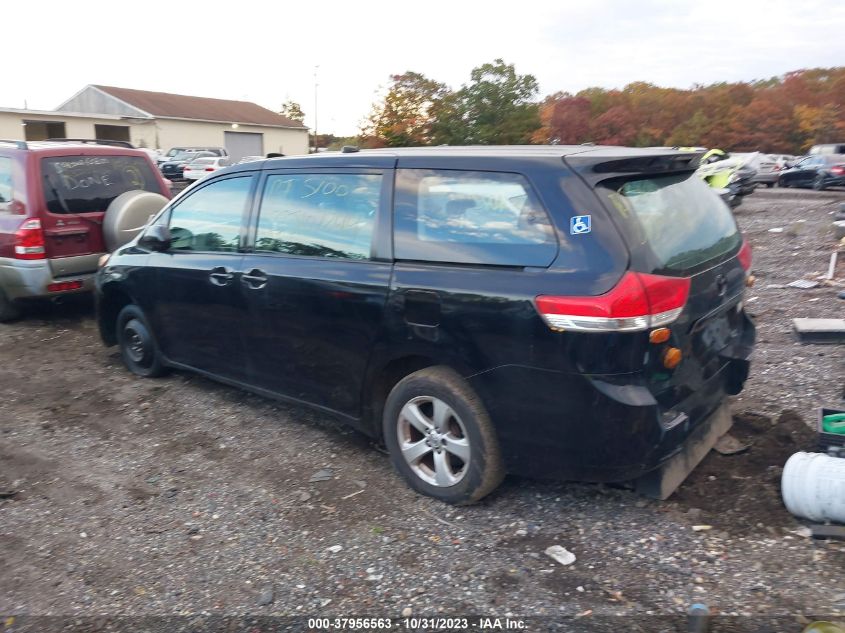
point(769, 185)
point(9, 310)
point(440, 437)
point(138, 347)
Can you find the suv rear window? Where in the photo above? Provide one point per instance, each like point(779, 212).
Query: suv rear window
point(678, 218)
point(84, 184)
point(471, 217)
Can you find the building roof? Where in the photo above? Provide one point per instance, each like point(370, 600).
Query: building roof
point(171, 106)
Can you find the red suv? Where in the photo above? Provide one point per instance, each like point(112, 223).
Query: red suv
point(64, 204)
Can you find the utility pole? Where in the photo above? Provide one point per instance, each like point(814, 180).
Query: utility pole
point(316, 143)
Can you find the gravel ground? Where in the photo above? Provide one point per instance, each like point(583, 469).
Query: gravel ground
point(181, 496)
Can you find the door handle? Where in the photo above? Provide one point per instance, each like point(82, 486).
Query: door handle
point(255, 279)
point(220, 276)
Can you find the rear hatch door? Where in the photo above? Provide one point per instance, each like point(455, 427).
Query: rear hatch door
point(78, 189)
point(676, 226)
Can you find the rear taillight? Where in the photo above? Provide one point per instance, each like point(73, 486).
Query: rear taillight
point(209, 169)
point(29, 240)
point(837, 170)
point(744, 256)
point(638, 302)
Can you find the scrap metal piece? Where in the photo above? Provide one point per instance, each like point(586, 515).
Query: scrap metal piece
point(820, 330)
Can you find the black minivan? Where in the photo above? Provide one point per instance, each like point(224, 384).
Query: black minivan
point(567, 312)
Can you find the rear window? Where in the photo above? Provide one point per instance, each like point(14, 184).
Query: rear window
point(203, 161)
point(471, 217)
point(679, 219)
point(84, 184)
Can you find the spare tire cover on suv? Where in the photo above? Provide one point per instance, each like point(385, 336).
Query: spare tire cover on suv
point(128, 214)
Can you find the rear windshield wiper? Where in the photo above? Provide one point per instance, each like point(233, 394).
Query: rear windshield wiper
point(64, 204)
point(56, 193)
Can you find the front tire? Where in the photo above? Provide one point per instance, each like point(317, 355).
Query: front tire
point(440, 437)
point(137, 345)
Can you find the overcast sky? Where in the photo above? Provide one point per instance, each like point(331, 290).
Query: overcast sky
point(267, 51)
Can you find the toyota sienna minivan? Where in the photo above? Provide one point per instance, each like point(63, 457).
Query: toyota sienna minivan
point(566, 312)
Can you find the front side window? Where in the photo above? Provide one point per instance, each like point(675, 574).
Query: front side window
point(86, 184)
point(318, 215)
point(471, 217)
point(211, 218)
point(6, 191)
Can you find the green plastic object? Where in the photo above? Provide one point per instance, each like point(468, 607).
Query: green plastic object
point(834, 423)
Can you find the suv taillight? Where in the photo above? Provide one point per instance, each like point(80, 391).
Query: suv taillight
point(29, 240)
point(638, 302)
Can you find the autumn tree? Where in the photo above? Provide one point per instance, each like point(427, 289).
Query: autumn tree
point(404, 116)
point(565, 120)
point(292, 110)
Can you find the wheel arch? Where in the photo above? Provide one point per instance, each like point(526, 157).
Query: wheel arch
point(389, 370)
point(109, 304)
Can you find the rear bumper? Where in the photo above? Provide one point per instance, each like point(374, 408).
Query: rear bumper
point(594, 428)
point(28, 279)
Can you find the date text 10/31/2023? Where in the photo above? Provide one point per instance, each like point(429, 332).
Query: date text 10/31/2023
point(417, 624)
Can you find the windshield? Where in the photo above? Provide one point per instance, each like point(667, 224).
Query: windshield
point(86, 184)
point(678, 218)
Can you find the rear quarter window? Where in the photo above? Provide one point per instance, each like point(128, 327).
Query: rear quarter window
point(471, 217)
point(680, 222)
point(85, 184)
point(6, 190)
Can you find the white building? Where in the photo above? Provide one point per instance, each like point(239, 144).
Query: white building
point(159, 120)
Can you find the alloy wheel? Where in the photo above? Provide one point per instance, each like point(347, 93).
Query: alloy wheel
point(433, 441)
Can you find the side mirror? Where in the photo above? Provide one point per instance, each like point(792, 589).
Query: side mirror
point(155, 238)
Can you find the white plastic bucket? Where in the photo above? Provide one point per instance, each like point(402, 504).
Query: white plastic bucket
point(813, 486)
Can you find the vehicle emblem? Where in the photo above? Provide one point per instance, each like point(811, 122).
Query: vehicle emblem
point(579, 224)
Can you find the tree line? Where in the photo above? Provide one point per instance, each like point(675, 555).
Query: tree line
point(784, 114)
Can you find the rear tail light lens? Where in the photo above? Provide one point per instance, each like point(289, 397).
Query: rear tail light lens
point(638, 302)
point(744, 256)
point(837, 170)
point(29, 240)
point(209, 169)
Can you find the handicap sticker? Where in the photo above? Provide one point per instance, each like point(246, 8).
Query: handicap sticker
point(579, 224)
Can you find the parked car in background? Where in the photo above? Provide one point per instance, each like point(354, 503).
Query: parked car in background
point(819, 171)
point(62, 205)
point(202, 167)
point(574, 312)
point(175, 151)
point(767, 166)
point(827, 148)
point(175, 167)
point(249, 159)
point(730, 174)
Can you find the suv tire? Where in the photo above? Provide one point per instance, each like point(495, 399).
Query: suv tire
point(137, 345)
point(440, 437)
point(9, 311)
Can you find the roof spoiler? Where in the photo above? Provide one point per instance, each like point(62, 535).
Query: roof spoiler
point(601, 165)
point(93, 141)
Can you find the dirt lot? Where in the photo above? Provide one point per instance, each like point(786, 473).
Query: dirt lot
point(178, 495)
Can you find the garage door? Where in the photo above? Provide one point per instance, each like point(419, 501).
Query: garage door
point(240, 144)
